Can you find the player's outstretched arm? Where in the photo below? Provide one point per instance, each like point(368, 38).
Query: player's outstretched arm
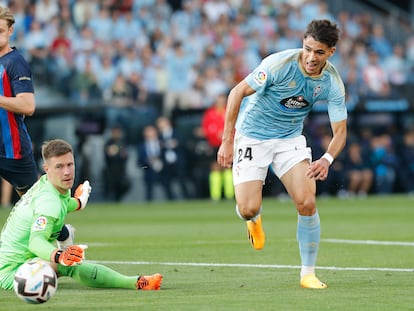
point(82, 193)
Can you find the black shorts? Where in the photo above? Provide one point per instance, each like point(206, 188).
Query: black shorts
point(22, 173)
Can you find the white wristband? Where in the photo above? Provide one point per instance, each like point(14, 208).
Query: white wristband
point(328, 157)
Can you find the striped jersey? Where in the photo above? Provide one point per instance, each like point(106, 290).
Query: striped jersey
point(285, 94)
point(16, 77)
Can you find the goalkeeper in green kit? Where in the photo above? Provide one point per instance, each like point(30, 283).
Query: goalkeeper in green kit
point(37, 218)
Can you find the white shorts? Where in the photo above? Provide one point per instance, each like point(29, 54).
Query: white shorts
point(252, 157)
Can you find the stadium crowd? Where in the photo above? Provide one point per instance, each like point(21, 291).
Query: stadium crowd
point(143, 59)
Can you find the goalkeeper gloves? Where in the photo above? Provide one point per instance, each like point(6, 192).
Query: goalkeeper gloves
point(82, 194)
point(70, 256)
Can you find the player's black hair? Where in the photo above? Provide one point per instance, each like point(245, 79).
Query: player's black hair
point(323, 30)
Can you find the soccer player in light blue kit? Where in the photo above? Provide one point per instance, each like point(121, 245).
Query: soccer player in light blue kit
point(278, 95)
point(37, 219)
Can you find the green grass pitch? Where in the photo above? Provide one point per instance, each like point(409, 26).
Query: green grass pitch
point(366, 256)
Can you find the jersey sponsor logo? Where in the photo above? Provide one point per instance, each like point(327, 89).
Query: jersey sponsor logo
point(260, 77)
point(295, 102)
point(40, 224)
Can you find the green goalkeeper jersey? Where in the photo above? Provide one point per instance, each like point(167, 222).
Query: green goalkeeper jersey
point(34, 224)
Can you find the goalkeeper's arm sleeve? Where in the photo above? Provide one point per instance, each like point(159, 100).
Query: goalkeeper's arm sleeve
point(40, 234)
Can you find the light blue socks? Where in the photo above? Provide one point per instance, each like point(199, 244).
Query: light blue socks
point(308, 236)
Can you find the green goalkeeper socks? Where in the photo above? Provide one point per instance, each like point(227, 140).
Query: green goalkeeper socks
point(99, 276)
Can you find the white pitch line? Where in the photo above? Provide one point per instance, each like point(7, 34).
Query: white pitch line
point(343, 241)
point(369, 242)
point(204, 264)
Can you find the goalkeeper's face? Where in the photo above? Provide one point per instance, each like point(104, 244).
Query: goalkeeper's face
point(60, 171)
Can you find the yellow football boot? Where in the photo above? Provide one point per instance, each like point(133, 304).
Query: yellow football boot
point(311, 281)
point(255, 233)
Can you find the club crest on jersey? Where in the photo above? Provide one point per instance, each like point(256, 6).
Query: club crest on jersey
point(40, 223)
point(295, 102)
point(260, 77)
point(316, 91)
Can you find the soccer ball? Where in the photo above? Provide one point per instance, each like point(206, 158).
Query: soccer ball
point(35, 282)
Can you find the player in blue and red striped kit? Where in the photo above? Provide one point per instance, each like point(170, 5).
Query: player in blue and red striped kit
point(17, 100)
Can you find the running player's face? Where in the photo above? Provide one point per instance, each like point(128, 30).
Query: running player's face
point(61, 171)
point(5, 33)
point(315, 55)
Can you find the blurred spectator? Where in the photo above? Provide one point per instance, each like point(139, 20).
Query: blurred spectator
point(353, 82)
point(214, 85)
point(396, 68)
point(36, 43)
point(106, 75)
point(349, 24)
point(118, 101)
point(116, 180)
point(385, 163)
point(84, 43)
point(150, 93)
point(360, 54)
point(214, 9)
point(142, 111)
point(127, 29)
point(61, 40)
point(359, 173)
point(129, 62)
point(101, 25)
point(178, 65)
point(65, 18)
point(379, 43)
point(220, 179)
point(175, 169)
point(84, 86)
point(409, 51)
point(18, 8)
point(46, 10)
point(375, 78)
point(197, 93)
point(186, 20)
point(62, 58)
point(406, 170)
point(163, 9)
point(150, 159)
point(309, 9)
point(83, 10)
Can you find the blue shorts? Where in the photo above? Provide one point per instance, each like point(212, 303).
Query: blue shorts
point(21, 173)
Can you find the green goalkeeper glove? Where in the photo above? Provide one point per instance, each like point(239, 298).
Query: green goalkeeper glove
point(82, 194)
point(71, 256)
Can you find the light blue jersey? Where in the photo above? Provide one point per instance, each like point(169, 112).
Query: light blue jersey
point(285, 95)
